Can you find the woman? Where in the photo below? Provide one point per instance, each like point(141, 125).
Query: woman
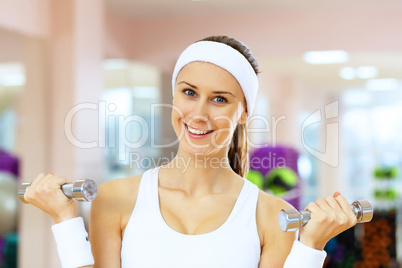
point(198, 210)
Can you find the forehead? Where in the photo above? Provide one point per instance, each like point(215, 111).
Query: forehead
point(209, 75)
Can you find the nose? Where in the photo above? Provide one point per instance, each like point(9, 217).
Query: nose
point(200, 112)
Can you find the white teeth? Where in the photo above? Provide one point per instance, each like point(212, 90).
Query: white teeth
point(198, 132)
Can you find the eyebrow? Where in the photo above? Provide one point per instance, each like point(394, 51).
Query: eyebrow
point(215, 92)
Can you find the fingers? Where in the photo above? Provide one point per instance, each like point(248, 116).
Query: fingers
point(344, 204)
point(49, 178)
point(333, 209)
point(43, 185)
point(45, 193)
point(321, 211)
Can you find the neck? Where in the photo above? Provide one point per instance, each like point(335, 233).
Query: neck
point(199, 173)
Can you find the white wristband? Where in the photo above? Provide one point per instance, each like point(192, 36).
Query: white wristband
point(304, 256)
point(72, 243)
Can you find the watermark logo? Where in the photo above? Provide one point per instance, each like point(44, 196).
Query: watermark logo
point(140, 161)
point(330, 155)
point(114, 130)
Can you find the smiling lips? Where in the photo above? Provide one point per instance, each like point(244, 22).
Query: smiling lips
point(197, 131)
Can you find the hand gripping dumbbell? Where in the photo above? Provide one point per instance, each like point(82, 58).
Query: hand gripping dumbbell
point(291, 220)
point(82, 190)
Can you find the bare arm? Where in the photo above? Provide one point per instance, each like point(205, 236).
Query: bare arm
point(276, 244)
point(105, 223)
point(110, 213)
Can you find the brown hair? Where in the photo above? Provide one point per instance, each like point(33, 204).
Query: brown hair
point(238, 151)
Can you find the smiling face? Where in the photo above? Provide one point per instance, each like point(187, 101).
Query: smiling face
point(208, 105)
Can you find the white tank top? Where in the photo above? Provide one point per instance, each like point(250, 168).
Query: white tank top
point(148, 242)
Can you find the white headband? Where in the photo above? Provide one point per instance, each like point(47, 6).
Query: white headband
point(227, 58)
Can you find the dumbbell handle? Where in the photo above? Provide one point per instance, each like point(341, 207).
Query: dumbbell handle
point(82, 190)
point(291, 220)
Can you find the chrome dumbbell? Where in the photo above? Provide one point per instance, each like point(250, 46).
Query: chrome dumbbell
point(291, 220)
point(82, 190)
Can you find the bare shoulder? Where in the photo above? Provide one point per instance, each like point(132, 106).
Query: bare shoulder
point(271, 201)
point(115, 188)
point(268, 208)
point(119, 194)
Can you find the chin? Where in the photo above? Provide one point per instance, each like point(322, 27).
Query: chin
point(207, 151)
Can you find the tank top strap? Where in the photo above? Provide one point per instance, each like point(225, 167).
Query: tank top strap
point(246, 204)
point(146, 202)
point(153, 193)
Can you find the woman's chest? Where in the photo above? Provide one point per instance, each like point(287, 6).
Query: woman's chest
point(194, 216)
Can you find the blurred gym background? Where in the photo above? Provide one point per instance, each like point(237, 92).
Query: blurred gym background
point(82, 85)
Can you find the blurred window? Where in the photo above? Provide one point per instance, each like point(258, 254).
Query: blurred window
point(131, 124)
point(307, 163)
point(371, 128)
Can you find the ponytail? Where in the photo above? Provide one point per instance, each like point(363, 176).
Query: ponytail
point(238, 151)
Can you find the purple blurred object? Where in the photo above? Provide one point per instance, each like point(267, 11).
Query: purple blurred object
point(2, 258)
point(339, 253)
point(9, 163)
point(266, 158)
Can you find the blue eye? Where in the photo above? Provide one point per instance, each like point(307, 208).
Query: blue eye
point(220, 99)
point(189, 92)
